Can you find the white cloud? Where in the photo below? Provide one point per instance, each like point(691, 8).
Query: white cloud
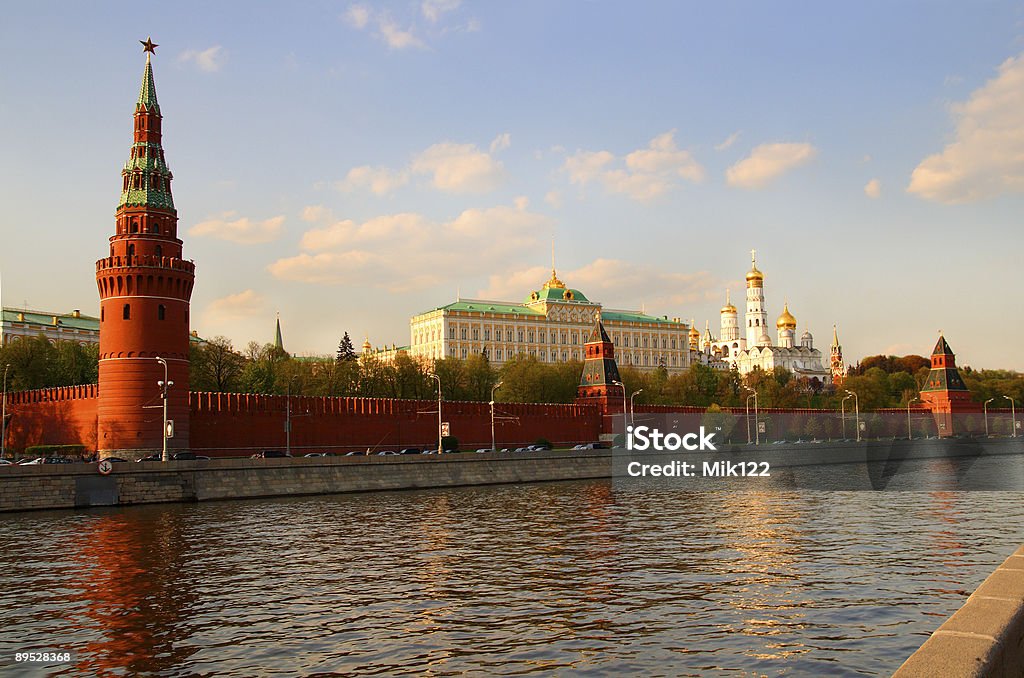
point(648, 173)
point(433, 9)
point(358, 16)
point(873, 188)
point(246, 304)
point(407, 251)
point(585, 166)
point(986, 157)
point(554, 198)
point(729, 141)
point(615, 284)
point(229, 226)
point(379, 180)
point(767, 162)
point(395, 37)
point(501, 142)
point(459, 168)
point(209, 60)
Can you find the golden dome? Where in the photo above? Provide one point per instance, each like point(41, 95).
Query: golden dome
point(694, 332)
point(728, 308)
point(754, 275)
point(554, 282)
point(786, 319)
point(367, 346)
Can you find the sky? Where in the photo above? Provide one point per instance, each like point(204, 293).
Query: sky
point(349, 165)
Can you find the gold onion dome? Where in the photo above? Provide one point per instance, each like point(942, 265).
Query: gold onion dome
point(786, 319)
point(694, 332)
point(554, 283)
point(754, 275)
point(728, 308)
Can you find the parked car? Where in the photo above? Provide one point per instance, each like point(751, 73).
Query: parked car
point(522, 449)
point(483, 449)
point(412, 450)
point(271, 454)
point(47, 460)
point(387, 453)
point(316, 454)
point(356, 453)
point(115, 460)
point(151, 457)
point(4, 462)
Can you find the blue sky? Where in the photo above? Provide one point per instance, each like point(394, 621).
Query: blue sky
point(351, 164)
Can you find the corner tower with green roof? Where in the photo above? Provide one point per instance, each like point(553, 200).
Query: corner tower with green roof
point(145, 286)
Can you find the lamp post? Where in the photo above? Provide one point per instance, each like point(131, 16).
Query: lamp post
point(985, 408)
point(440, 448)
point(494, 446)
point(856, 405)
point(635, 394)
point(288, 417)
point(910, 432)
point(842, 407)
point(165, 386)
point(757, 425)
point(623, 387)
point(1013, 416)
point(3, 418)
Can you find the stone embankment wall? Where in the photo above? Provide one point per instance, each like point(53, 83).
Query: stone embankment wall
point(80, 485)
point(984, 638)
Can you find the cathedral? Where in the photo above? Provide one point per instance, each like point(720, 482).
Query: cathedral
point(749, 346)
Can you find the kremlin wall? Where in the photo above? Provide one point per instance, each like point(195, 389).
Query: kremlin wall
point(145, 286)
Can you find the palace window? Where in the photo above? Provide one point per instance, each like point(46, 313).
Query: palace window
point(159, 251)
point(126, 312)
point(520, 336)
point(463, 332)
point(509, 335)
point(530, 337)
point(451, 333)
point(635, 342)
point(476, 333)
point(487, 335)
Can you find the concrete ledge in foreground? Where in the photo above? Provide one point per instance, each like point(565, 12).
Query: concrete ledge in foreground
point(985, 637)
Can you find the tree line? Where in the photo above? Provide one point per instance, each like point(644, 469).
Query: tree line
point(216, 365)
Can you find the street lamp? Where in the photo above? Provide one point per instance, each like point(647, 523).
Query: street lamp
point(910, 433)
point(165, 386)
point(842, 407)
point(856, 405)
point(757, 428)
point(494, 447)
point(623, 386)
point(1013, 416)
point(635, 394)
point(985, 408)
point(288, 417)
point(3, 419)
point(440, 448)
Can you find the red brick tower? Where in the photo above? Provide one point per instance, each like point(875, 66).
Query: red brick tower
point(944, 392)
point(144, 287)
point(600, 373)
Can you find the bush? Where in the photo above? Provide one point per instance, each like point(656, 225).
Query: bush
point(450, 444)
point(545, 442)
point(55, 451)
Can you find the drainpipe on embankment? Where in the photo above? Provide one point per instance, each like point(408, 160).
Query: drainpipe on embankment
point(985, 637)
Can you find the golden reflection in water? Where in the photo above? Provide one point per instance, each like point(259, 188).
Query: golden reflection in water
point(769, 551)
point(133, 590)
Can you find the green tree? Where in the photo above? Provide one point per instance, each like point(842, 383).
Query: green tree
point(346, 351)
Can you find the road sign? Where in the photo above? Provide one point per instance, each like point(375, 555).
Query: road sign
point(863, 426)
point(105, 467)
point(446, 429)
point(762, 427)
point(169, 433)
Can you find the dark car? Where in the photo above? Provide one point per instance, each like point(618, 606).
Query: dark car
point(271, 454)
point(48, 460)
point(411, 450)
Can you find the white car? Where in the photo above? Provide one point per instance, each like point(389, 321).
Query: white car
point(386, 453)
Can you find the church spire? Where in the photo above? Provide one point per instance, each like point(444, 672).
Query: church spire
point(147, 92)
point(278, 341)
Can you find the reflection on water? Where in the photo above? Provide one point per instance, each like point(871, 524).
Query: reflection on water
point(511, 579)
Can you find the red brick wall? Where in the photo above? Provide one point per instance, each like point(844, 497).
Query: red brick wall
point(52, 416)
point(237, 424)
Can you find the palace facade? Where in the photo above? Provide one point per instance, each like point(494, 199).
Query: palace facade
point(551, 324)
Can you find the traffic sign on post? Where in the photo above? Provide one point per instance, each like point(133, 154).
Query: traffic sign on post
point(169, 433)
point(446, 429)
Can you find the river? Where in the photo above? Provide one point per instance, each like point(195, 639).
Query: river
point(573, 577)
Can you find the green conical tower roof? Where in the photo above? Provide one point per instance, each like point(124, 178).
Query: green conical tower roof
point(147, 93)
point(278, 341)
point(146, 179)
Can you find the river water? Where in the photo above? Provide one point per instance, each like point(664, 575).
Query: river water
point(573, 578)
